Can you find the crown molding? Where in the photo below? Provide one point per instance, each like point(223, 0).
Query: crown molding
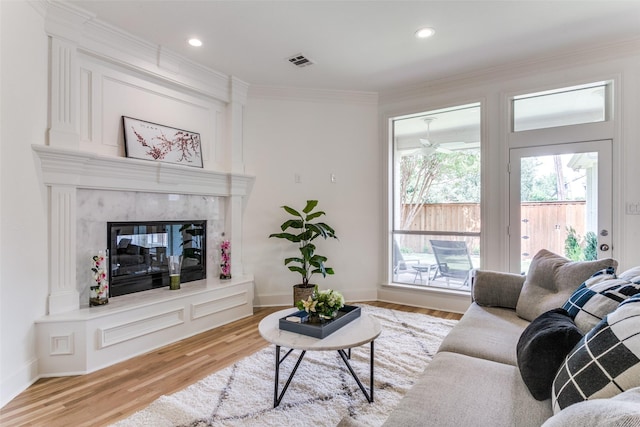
point(532, 66)
point(109, 43)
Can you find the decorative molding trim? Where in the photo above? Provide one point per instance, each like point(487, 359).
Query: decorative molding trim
point(60, 345)
point(238, 90)
point(91, 338)
point(63, 131)
point(62, 235)
point(110, 43)
point(218, 305)
point(140, 327)
point(88, 170)
point(513, 70)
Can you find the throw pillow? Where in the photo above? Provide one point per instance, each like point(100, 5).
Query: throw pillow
point(542, 348)
point(551, 280)
point(605, 362)
point(600, 295)
point(620, 410)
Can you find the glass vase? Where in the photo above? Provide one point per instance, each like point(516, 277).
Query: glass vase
point(99, 289)
point(225, 260)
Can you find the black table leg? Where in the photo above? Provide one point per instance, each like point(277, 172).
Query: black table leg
point(345, 355)
point(345, 358)
point(277, 398)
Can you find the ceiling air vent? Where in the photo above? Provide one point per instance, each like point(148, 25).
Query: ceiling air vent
point(299, 60)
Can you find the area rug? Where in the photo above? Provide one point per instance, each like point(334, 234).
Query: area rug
point(322, 391)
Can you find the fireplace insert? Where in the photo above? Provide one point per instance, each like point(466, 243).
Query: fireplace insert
point(138, 253)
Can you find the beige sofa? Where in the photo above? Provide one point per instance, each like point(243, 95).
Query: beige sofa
point(474, 379)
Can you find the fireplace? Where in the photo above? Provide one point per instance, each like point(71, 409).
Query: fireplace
point(87, 191)
point(138, 253)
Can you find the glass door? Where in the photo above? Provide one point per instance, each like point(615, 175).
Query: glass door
point(560, 200)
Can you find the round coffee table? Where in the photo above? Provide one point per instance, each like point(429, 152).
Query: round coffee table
point(365, 329)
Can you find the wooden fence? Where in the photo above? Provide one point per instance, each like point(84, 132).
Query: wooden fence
point(544, 224)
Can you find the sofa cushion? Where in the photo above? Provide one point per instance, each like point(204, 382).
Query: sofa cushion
point(542, 348)
point(551, 280)
point(600, 295)
point(457, 390)
point(496, 288)
point(621, 410)
point(487, 332)
point(605, 362)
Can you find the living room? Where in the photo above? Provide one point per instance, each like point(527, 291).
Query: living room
point(308, 134)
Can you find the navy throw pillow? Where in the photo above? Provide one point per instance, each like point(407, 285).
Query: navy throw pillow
point(542, 348)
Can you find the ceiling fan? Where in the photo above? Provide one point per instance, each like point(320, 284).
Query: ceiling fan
point(429, 147)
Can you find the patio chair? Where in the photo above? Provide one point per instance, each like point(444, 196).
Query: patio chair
point(453, 260)
point(402, 264)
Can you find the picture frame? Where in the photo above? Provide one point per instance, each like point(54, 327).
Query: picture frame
point(151, 141)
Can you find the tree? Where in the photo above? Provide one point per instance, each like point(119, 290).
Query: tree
point(437, 178)
point(536, 188)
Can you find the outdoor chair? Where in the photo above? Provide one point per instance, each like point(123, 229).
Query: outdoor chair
point(453, 260)
point(402, 264)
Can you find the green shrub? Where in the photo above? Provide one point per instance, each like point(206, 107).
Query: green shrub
point(572, 248)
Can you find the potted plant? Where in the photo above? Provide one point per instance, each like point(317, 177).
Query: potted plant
point(303, 233)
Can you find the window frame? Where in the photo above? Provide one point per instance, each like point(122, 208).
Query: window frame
point(394, 197)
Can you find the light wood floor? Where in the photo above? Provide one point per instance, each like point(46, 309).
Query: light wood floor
point(105, 396)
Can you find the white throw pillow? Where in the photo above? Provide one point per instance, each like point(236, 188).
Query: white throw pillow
point(621, 410)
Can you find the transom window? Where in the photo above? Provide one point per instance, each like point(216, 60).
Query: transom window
point(561, 107)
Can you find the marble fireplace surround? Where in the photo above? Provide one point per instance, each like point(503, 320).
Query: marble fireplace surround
point(85, 190)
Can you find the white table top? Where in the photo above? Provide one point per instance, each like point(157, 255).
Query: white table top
point(360, 331)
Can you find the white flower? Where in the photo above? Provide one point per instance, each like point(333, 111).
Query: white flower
point(309, 305)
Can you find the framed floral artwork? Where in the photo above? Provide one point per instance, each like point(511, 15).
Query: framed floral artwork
point(151, 141)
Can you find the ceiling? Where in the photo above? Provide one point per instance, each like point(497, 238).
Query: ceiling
point(367, 45)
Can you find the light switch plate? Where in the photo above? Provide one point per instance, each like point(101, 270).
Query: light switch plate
point(633, 208)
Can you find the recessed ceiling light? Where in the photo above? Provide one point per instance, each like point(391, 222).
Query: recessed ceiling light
point(424, 33)
point(195, 42)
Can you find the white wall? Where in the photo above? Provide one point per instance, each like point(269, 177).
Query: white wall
point(23, 265)
point(313, 134)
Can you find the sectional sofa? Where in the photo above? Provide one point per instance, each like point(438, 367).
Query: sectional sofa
point(521, 338)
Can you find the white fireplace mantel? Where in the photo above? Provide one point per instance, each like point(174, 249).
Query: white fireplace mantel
point(87, 170)
point(64, 171)
point(73, 340)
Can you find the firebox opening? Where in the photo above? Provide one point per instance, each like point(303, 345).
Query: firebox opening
point(138, 253)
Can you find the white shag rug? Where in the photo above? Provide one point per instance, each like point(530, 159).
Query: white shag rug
point(322, 391)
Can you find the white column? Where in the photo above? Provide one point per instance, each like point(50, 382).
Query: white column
point(233, 229)
point(235, 161)
point(63, 127)
point(235, 123)
point(63, 295)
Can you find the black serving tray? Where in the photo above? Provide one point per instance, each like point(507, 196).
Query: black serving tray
point(345, 315)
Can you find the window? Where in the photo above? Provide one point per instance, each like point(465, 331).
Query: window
point(436, 197)
point(560, 107)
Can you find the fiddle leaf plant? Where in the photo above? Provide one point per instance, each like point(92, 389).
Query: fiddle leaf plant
point(303, 233)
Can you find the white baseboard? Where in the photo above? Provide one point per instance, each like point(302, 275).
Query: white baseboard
point(426, 298)
point(286, 299)
point(14, 384)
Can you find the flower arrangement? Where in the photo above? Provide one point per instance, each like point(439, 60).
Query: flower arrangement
point(100, 288)
point(225, 260)
point(324, 303)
